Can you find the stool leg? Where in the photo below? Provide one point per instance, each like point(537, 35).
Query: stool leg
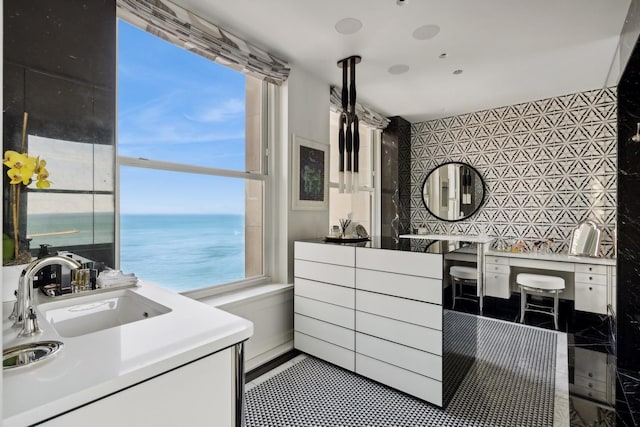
point(453, 292)
point(523, 303)
point(555, 310)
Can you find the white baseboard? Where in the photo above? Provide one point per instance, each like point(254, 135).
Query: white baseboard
point(265, 357)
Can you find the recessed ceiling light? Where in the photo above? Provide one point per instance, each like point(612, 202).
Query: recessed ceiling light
point(398, 69)
point(443, 55)
point(426, 32)
point(348, 26)
point(457, 72)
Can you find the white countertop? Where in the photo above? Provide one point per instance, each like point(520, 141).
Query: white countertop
point(100, 363)
point(452, 237)
point(553, 257)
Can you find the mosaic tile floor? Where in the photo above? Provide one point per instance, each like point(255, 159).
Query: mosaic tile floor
point(509, 385)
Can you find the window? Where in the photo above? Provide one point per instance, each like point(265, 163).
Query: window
point(362, 204)
point(191, 177)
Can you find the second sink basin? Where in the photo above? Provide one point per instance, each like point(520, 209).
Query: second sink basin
point(92, 313)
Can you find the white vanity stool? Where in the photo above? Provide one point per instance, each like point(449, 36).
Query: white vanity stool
point(537, 283)
point(463, 276)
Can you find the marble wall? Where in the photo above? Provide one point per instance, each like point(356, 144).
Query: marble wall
point(395, 178)
point(60, 66)
point(547, 165)
point(628, 274)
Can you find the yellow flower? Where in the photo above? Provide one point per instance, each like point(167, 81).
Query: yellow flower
point(15, 160)
point(18, 177)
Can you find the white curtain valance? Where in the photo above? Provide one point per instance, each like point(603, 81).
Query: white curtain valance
point(365, 114)
point(181, 27)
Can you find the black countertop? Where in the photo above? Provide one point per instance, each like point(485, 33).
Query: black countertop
point(406, 245)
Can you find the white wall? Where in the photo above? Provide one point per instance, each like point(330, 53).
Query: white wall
point(307, 115)
point(304, 111)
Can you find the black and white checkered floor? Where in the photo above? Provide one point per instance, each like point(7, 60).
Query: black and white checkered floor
point(512, 383)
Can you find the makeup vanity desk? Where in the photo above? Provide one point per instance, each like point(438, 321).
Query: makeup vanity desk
point(589, 282)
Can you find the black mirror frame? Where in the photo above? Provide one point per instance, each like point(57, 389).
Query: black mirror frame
point(484, 191)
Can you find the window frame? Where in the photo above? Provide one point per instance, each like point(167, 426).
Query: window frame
point(268, 105)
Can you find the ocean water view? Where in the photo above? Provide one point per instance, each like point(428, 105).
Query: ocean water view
point(180, 252)
point(183, 252)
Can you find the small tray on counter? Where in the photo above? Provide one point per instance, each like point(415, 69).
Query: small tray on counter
point(332, 239)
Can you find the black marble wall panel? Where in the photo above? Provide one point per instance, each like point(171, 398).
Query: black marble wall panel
point(60, 67)
point(396, 178)
point(628, 271)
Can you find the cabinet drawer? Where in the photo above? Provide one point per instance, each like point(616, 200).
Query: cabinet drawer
point(326, 351)
point(325, 292)
point(401, 285)
point(591, 298)
point(496, 260)
point(587, 392)
point(413, 263)
point(417, 361)
point(590, 384)
point(417, 385)
point(328, 273)
point(497, 268)
point(590, 364)
point(416, 312)
point(325, 331)
point(497, 285)
point(331, 313)
point(597, 279)
point(591, 269)
point(425, 339)
point(329, 254)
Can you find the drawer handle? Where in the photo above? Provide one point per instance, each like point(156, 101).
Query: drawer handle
point(590, 288)
point(590, 278)
point(590, 268)
point(590, 385)
point(590, 375)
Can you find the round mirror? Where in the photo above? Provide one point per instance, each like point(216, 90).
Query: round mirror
point(453, 191)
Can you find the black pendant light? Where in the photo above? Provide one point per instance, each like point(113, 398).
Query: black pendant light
point(348, 133)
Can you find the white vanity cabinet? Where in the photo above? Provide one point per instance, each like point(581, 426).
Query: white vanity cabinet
point(199, 393)
point(324, 300)
point(591, 288)
point(497, 275)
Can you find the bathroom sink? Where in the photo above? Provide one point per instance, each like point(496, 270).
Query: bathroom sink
point(93, 313)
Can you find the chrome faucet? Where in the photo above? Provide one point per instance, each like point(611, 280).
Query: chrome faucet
point(25, 313)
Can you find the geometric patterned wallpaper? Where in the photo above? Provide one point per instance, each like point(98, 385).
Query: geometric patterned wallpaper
point(547, 165)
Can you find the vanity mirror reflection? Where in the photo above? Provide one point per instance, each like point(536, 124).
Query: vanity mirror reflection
point(453, 191)
point(585, 239)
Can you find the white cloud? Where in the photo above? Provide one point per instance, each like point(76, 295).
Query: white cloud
point(230, 109)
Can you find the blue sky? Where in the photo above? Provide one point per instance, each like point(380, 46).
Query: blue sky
point(176, 106)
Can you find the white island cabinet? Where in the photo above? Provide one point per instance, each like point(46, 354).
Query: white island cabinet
point(375, 311)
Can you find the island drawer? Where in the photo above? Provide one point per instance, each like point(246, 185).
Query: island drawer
point(425, 339)
point(325, 331)
point(338, 295)
point(329, 254)
point(590, 297)
point(412, 263)
point(324, 350)
point(326, 312)
point(417, 361)
point(416, 312)
point(328, 273)
point(422, 387)
point(400, 285)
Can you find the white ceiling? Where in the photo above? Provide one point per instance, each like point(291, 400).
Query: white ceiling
point(510, 51)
